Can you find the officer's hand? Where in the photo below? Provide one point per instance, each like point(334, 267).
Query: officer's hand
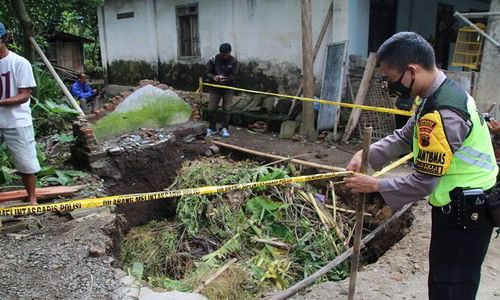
point(361, 183)
point(494, 127)
point(355, 163)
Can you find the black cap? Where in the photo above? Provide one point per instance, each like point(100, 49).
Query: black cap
point(225, 48)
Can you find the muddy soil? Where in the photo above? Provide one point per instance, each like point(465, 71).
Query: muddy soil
point(319, 152)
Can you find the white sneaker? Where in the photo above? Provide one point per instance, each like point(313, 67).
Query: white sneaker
point(211, 132)
point(225, 133)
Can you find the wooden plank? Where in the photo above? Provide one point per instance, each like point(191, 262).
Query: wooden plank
point(331, 88)
point(360, 97)
point(319, 41)
point(307, 123)
point(277, 157)
point(41, 193)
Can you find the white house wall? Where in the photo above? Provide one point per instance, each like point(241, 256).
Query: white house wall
point(262, 32)
point(130, 38)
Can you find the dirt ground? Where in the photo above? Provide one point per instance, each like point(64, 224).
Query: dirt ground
point(402, 272)
point(323, 153)
point(52, 259)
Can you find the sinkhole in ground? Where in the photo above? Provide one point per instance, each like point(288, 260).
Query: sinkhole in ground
point(275, 245)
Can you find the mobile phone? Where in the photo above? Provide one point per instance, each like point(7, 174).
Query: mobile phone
point(487, 117)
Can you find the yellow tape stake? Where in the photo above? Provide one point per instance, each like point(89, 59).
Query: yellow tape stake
point(132, 198)
point(349, 105)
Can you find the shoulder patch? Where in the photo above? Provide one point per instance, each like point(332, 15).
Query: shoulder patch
point(434, 152)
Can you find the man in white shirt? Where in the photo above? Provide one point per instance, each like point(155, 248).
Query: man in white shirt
point(16, 126)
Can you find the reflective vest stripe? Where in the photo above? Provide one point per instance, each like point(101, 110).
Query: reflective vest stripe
point(472, 161)
point(475, 153)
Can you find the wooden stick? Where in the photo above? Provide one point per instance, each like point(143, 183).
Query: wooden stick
point(338, 260)
point(360, 96)
point(56, 77)
point(277, 157)
point(489, 109)
point(346, 210)
point(205, 283)
point(319, 41)
point(273, 243)
point(360, 209)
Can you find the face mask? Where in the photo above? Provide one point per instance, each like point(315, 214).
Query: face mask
point(399, 89)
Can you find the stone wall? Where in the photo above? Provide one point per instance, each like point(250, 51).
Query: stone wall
point(265, 76)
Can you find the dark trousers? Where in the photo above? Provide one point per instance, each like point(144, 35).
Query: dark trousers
point(455, 256)
point(91, 100)
point(227, 100)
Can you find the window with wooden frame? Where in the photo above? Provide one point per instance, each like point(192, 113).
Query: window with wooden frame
point(187, 30)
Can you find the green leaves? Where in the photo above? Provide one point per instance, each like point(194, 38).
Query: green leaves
point(268, 173)
point(8, 175)
point(50, 176)
point(66, 138)
point(264, 209)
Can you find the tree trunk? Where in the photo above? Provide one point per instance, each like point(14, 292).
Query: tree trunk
point(26, 24)
point(307, 126)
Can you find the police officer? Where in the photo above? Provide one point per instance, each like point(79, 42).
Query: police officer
point(454, 165)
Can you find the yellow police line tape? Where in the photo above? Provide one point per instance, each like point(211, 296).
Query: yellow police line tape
point(132, 198)
point(349, 105)
point(207, 190)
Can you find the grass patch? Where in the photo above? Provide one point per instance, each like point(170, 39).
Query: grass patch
point(157, 112)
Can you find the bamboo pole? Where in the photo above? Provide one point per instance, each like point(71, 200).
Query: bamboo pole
point(277, 157)
point(307, 125)
point(56, 77)
point(319, 41)
point(338, 260)
point(360, 208)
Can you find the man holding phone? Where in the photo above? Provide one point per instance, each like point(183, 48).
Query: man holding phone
point(221, 69)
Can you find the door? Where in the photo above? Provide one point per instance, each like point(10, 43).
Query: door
point(383, 15)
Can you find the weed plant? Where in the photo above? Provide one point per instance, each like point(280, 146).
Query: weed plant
point(277, 237)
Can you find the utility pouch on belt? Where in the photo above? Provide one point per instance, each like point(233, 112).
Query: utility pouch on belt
point(471, 207)
point(493, 204)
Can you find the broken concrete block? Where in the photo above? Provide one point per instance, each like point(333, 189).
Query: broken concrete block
point(214, 149)
point(288, 129)
point(149, 294)
point(268, 103)
point(83, 212)
point(97, 251)
point(137, 270)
